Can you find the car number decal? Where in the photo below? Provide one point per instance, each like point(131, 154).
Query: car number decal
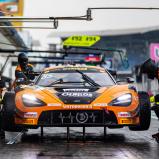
point(25, 121)
point(126, 121)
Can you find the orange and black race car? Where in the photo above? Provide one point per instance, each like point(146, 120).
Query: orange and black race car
point(75, 96)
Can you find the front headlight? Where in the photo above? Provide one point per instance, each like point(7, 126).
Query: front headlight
point(124, 100)
point(32, 101)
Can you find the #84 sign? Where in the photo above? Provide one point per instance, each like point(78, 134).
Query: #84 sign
point(154, 51)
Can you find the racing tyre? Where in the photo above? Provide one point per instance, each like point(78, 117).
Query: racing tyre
point(156, 110)
point(8, 112)
point(144, 113)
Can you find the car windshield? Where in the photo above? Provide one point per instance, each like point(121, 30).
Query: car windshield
point(74, 77)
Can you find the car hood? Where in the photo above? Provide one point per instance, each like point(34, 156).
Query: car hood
point(82, 95)
point(78, 95)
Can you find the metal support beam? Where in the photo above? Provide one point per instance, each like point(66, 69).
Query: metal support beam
point(124, 8)
point(84, 134)
point(44, 19)
point(105, 132)
point(25, 27)
point(54, 20)
point(96, 51)
point(14, 139)
point(41, 132)
point(68, 134)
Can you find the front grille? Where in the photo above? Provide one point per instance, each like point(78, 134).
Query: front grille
point(76, 118)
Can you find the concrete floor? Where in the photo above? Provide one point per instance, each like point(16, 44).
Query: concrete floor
point(119, 144)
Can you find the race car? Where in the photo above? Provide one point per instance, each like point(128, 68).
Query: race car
point(70, 96)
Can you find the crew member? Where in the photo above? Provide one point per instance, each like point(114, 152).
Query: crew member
point(150, 68)
point(24, 69)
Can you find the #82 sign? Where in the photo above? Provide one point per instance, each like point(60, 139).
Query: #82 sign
point(154, 51)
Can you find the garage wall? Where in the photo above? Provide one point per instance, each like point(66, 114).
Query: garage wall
point(8, 69)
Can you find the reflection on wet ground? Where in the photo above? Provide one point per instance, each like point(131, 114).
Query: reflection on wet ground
point(119, 143)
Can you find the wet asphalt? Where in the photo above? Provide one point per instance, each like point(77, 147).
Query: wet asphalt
point(118, 144)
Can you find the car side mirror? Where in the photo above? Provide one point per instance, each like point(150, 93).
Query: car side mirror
point(130, 79)
point(118, 81)
point(113, 73)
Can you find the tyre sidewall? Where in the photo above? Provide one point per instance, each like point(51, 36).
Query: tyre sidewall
point(144, 113)
point(8, 112)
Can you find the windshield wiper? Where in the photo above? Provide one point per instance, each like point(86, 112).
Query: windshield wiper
point(59, 81)
point(88, 79)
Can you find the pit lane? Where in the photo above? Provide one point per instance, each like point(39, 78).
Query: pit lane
point(119, 143)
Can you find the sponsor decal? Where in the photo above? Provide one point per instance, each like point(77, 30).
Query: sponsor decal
point(30, 115)
point(53, 104)
point(77, 106)
point(100, 104)
point(75, 90)
point(124, 114)
point(78, 117)
point(76, 94)
point(75, 68)
point(82, 117)
point(93, 58)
